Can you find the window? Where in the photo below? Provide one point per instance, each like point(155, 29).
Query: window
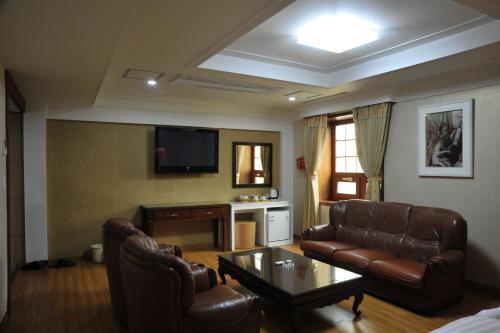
point(257, 170)
point(348, 179)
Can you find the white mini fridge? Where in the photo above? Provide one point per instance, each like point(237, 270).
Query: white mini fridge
point(278, 225)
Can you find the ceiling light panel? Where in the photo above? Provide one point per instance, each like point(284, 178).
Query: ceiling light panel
point(337, 33)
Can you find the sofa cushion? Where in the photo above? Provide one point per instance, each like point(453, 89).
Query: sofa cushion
point(388, 227)
point(408, 273)
point(361, 257)
point(325, 248)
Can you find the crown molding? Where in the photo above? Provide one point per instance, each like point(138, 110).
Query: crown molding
point(147, 104)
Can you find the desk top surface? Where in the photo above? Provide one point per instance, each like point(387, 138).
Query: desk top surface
point(184, 204)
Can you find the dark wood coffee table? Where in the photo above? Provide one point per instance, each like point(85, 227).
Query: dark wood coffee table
point(307, 285)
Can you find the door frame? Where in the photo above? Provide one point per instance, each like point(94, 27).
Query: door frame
point(13, 93)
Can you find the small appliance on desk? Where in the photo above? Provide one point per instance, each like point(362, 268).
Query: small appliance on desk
point(274, 193)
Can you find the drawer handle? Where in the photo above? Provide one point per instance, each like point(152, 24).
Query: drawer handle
point(208, 212)
point(173, 215)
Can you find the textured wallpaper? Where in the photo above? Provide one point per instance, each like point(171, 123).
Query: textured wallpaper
point(100, 170)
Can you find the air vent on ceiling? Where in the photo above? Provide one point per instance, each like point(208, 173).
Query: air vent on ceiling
point(139, 74)
point(304, 95)
point(224, 85)
point(325, 98)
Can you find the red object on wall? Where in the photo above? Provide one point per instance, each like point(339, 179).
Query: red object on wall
point(300, 163)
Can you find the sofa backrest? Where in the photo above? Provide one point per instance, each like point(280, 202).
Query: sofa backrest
point(432, 231)
point(352, 219)
point(388, 227)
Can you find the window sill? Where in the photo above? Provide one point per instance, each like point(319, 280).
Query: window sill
point(327, 202)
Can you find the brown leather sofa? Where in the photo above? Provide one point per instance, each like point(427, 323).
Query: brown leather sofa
point(411, 255)
point(115, 231)
point(160, 293)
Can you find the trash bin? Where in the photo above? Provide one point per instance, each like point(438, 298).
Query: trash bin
point(245, 234)
point(97, 255)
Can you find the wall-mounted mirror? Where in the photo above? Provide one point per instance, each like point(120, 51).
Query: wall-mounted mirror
point(252, 164)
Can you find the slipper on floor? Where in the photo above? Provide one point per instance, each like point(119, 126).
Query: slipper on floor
point(34, 265)
point(59, 263)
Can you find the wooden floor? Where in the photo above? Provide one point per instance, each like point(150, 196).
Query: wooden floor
point(76, 299)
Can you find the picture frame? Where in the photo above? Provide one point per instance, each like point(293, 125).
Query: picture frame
point(445, 140)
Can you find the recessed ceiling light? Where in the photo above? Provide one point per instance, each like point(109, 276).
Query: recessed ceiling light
point(337, 33)
point(151, 82)
point(291, 98)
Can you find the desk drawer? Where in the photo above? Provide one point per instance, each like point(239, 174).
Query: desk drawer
point(173, 214)
point(206, 212)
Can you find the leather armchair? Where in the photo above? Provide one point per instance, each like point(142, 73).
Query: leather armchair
point(161, 297)
point(115, 231)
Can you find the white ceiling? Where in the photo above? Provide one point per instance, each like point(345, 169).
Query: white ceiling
point(74, 54)
point(402, 24)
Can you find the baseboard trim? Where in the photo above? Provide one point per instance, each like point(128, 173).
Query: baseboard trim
point(486, 288)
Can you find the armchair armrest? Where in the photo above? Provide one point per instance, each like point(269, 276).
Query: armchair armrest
point(319, 233)
point(223, 309)
point(446, 261)
point(170, 249)
point(204, 277)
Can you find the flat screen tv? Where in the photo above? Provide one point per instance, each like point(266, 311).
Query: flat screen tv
point(186, 150)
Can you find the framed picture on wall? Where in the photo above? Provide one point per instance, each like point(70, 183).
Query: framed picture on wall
point(445, 140)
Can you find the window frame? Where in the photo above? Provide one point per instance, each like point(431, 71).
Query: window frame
point(360, 178)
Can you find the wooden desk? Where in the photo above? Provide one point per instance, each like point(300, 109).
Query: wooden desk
point(217, 212)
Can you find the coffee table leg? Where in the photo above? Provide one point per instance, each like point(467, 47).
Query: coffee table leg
point(221, 274)
point(358, 298)
point(294, 319)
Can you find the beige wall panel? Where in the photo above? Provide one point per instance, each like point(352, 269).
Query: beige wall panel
point(100, 170)
point(477, 199)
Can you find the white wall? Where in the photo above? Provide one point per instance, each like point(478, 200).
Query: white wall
point(477, 199)
point(34, 138)
point(35, 192)
point(3, 202)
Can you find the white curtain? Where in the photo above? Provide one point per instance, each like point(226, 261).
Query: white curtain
point(315, 131)
point(371, 124)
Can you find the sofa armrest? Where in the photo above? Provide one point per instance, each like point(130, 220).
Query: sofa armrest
point(170, 249)
point(445, 278)
point(319, 233)
point(446, 261)
point(204, 277)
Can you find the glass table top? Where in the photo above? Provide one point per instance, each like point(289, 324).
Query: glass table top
point(300, 276)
